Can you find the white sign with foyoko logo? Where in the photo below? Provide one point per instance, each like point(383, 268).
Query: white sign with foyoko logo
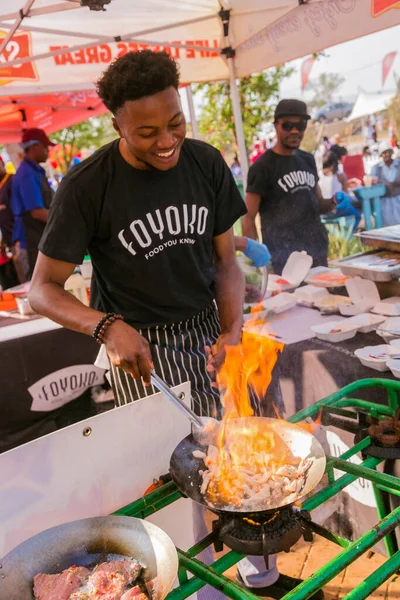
point(360, 490)
point(64, 385)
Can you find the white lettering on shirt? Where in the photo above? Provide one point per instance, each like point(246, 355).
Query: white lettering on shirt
point(296, 179)
point(138, 224)
point(177, 229)
point(202, 220)
point(152, 224)
point(189, 226)
point(187, 219)
point(125, 243)
point(283, 186)
point(288, 180)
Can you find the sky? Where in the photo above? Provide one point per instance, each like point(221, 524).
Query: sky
point(359, 61)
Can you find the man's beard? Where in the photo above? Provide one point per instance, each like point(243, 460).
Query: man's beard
point(144, 162)
point(291, 146)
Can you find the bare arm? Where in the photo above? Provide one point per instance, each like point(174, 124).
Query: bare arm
point(126, 348)
point(249, 220)
point(241, 243)
point(344, 181)
point(49, 298)
point(325, 206)
point(40, 214)
point(229, 294)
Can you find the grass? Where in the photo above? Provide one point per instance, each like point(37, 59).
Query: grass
point(342, 243)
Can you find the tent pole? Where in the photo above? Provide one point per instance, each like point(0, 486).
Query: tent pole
point(24, 12)
point(237, 115)
point(192, 112)
point(45, 10)
point(88, 35)
point(229, 53)
point(63, 32)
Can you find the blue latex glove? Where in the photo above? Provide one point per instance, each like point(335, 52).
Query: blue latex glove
point(343, 201)
point(258, 253)
point(345, 208)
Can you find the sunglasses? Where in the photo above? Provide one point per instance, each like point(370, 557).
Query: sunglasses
point(290, 125)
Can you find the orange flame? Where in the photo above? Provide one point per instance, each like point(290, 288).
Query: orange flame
point(248, 365)
point(247, 463)
point(244, 449)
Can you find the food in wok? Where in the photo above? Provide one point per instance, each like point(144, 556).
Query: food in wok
point(114, 580)
point(247, 472)
point(134, 555)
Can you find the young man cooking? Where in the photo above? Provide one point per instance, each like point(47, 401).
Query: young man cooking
point(282, 186)
point(156, 212)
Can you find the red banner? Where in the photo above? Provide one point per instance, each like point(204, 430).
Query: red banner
point(18, 47)
point(387, 65)
point(378, 7)
point(305, 71)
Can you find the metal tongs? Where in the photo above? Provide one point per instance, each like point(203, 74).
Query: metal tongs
point(163, 387)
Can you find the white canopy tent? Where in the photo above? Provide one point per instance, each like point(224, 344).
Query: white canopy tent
point(368, 104)
point(62, 45)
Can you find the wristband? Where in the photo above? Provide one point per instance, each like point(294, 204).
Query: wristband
point(104, 323)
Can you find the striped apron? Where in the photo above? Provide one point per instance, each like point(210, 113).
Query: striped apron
point(178, 353)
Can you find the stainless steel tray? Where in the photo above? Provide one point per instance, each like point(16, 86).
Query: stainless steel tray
point(367, 270)
point(387, 238)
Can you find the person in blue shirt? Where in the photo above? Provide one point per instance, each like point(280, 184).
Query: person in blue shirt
point(32, 194)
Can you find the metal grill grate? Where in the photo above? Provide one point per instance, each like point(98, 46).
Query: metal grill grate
point(341, 403)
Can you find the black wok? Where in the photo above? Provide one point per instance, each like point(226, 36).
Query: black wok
point(184, 467)
point(86, 543)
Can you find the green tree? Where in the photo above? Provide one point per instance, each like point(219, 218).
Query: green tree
point(258, 96)
point(90, 134)
point(325, 88)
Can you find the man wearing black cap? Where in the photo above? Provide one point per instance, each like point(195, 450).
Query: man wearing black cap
point(32, 194)
point(282, 186)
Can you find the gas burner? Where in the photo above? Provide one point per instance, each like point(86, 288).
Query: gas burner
point(271, 532)
point(386, 433)
point(385, 438)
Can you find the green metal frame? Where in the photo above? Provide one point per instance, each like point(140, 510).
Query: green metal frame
point(193, 574)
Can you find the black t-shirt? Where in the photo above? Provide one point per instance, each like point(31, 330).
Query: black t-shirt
point(289, 207)
point(149, 233)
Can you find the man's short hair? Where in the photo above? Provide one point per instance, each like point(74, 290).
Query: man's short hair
point(137, 75)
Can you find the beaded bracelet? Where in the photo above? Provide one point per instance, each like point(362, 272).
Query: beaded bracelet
point(104, 324)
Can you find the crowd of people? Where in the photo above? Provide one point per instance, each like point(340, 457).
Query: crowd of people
point(25, 199)
point(288, 207)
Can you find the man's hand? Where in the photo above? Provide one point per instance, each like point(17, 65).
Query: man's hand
point(128, 350)
point(257, 253)
point(389, 188)
point(216, 354)
point(325, 205)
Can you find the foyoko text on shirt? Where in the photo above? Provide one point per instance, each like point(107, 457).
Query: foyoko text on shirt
point(172, 226)
point(297, 180)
